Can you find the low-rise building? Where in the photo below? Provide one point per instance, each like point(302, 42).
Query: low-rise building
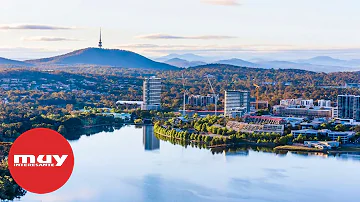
point(324, 103)
point(333, 135)
point(200, 100)
point(322, 144)
point(350, 122)
point(304, 108)
point(255, 128)
point(345, 136)
point(302, 112)
point(264, 120)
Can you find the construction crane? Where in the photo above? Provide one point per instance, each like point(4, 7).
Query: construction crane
point(257, 95)
point(212, 89)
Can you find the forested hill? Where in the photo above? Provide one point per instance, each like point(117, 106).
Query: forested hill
point(275, 84)
point(4, 62)
point(125, 83)
point(235, 74)
point(103, 57)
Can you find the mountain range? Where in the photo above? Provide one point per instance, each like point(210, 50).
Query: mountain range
point(237, 62)
point(128, 59)
point(188, 57)
point(177, 62)
point(318, 64)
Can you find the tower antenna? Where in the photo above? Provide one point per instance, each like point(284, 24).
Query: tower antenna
point(100, 42)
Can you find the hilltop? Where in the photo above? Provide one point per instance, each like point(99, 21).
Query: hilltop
point(104, 57)
point(4, 62)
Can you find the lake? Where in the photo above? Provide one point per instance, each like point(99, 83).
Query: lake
point(131, 164)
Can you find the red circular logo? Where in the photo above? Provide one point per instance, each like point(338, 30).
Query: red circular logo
point(41, 160)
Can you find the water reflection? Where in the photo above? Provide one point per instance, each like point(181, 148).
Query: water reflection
point(75, 135)
point(125, 171)
point(150, 142)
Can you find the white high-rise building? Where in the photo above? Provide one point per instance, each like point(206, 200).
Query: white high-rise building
point(324, 103)
point(237, 103)
point(151, 94)
point(307, 103)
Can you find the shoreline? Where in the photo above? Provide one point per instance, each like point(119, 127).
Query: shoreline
point(275, 148)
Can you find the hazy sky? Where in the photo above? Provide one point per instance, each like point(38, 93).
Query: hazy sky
point(281, 29)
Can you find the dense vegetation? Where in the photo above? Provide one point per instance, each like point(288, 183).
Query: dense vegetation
point(71, 126)
point(274, 84)
point(211, 131)
point(33, 98)
point(9, 190)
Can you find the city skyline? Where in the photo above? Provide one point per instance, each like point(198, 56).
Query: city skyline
point(245, 29)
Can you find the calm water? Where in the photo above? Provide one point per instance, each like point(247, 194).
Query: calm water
point(130, 164)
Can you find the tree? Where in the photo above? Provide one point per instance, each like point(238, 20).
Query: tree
point(62, 130)
point(283, 140)
point(9, 190)
point(340, 127)
point(300, 138)
point(357, 129)
point(339, 139)
point(208, 138)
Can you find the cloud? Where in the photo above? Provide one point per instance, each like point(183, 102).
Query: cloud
point(166, 36)
point(33, 27)
point(48, 38)
point(222, 2)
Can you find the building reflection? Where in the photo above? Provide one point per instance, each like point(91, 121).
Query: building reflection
point(149, 140)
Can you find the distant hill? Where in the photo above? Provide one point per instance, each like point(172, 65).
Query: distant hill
point(250, 69)
point(177, 62)
point(12, 63)
point(105, 57)
point(304, 66)
point(329, 61)
point(187, 56)
point(237, 62)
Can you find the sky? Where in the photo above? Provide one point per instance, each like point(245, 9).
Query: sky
point(269, 29)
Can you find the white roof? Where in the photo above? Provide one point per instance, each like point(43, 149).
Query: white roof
point(129, 102)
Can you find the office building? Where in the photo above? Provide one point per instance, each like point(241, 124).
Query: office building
point(332, 135)
point(357, 108)
point(237, 103)
point(349, 107)
point(307, 103)
point(151, 94)
point(200, 100)
point(335, 113)
point(290, 102)
point(302, 112)
point(303, 108)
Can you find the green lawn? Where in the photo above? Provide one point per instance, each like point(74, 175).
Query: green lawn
point(297, 148)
